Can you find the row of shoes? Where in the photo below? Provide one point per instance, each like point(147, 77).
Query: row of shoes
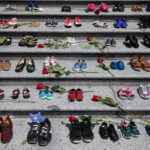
point(5, 65)
point(75, 95)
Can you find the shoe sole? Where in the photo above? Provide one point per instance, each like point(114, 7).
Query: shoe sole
point(86, 141)
point(126, 136)
point(83, 70)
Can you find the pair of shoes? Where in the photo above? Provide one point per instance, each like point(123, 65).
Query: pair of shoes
point(80, 130)
point(77, 22)
point(75, 94)
point(32, 6)
point(2, 94)
point(34, 24)
point(126, 93)
point(40, 132)
point(51, 22)
point(147, 128)
point(28, 41)
point(140, 63)
point(137, 8)
point(148, 8)
point(118, 7)
point(120, 22)
point(25, 93)
point(4, 23)
point(21, 64)
point(110, 42)
point(100, 24)
point(6, 129)
point(103, 7)
point(131, 41)
point(146, 40)
point(117, 65)
point(48, 64)
point(129, 130)
point(82, 66)
point(71, 40)
point(5, 41)
point(5, 65)
point(144, 23)
point(66, 9)
point(106, 131)
point(11, 7)
point(144, 91)
point(46, 94)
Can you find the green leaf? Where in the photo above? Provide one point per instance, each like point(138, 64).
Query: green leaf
point(86, 10)
point(65, 45)
point(61, 71)
point(57, 75)
point(67, 73)
point(56, 68)
point(109, 101)
point(27, 8)
point(24, 142)
point(87, 47)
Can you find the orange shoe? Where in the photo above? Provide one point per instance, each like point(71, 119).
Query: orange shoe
point(68, 22)
point(77, 21)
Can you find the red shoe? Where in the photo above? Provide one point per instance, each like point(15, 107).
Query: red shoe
point(68, 22)
point(77, 21)
point(79, 95)
point(6, 132)
point(72, 95)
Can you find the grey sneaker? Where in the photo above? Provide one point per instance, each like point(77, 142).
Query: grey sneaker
point(108, 42)
point(143, 92)
point(113, 43)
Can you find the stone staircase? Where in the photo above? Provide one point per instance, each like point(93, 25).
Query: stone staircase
point(102, 83)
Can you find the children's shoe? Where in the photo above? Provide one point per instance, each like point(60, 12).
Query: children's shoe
point(91, 7)
point(130, 94)
point(147, 128)
point(72, 95)
point(48, 22)
point(103, 7)
point(122, 93)
point(49, 94)
point(76, 66)
point(120, 65)
point(126, 130)
point(75, 132)
point(77, 21)
point(123, 23)
point(79, 95)
point(87, 134)
point(43, 94)
point(113, 133)
point(148, 7)
point(83, 66)
point(2, 95)
point(30, 5)
point(114, 65)
point(134, 130)
point(68, 22)
point(36, 6)
point(118, 23)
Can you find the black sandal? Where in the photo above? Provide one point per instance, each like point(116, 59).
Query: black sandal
point(15, 93)
point(26, 93)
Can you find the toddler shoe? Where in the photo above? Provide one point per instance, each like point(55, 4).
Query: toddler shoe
point(83, 66)
point(49, 94)
point(134, 130)
point(103, 7)
point(43, 94)
point(76, 66)
point(91, 7)
point(147, 128)
point(68, 22)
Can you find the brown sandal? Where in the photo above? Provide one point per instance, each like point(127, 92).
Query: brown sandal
point(30, 24)
point(136, 64)
point(134, 8)
point(1, 65)
point(145, 64)
point(36, 24)
point(139, 8)
point(7, 65)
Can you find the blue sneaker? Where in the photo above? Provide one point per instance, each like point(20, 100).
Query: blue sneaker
point(36, 6)
point(148, 7)
point(114, 65)
point(76, 66)
point(123, 23)
point(43, 94)
point(120, 65)
point(83, 66)
point(148, 128)
point(30, 5)
point(134, 129)
point(118, 23)
point(126, 130)
point(49, 94)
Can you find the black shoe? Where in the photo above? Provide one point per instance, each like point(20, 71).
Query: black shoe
point(115, 8)
point(21, 64)
point(128, 42)
point(146, 40)
point(143, 23)
point(34, 132)
point(103, 131)
point(75, 132)
point(87, 134)
point(112, 133)
point(45, 135)
point(121, 7)
point(134, 42)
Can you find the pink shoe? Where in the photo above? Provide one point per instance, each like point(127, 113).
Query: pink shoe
point(13, 21)
point(130, 94)
point(91, 7)
point(122, 93)
point(103, 7)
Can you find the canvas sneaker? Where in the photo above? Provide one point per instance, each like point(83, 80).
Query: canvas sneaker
point(77, 21)
point(68, 22)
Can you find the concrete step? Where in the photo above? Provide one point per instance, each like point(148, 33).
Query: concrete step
point(60, 134)
point(94, 72)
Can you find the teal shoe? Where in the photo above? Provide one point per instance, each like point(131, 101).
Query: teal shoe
point(43, 94)
point(126, 130)
point(49, 94)
point(134, 129)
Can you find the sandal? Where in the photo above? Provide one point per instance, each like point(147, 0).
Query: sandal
point(100, 24)
point(1, 65)
point(36, 24)
point(145, 64)
point(139, 8)
point(134, 8)
point(122, 93)
point(15, 93)
point(7, 65)
point(30, 65)
point(26, 93)
point(136, 64)
point(130, 94)
point(30, 24)
point(20, 66)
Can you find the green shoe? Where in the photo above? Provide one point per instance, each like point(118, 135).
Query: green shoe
point(2, 40)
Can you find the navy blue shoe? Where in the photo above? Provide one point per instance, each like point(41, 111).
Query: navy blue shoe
point(148, 7)
point(30, 5)
point(123, 23)
point(118, 23)
point(36, 6)
point(120, 65)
